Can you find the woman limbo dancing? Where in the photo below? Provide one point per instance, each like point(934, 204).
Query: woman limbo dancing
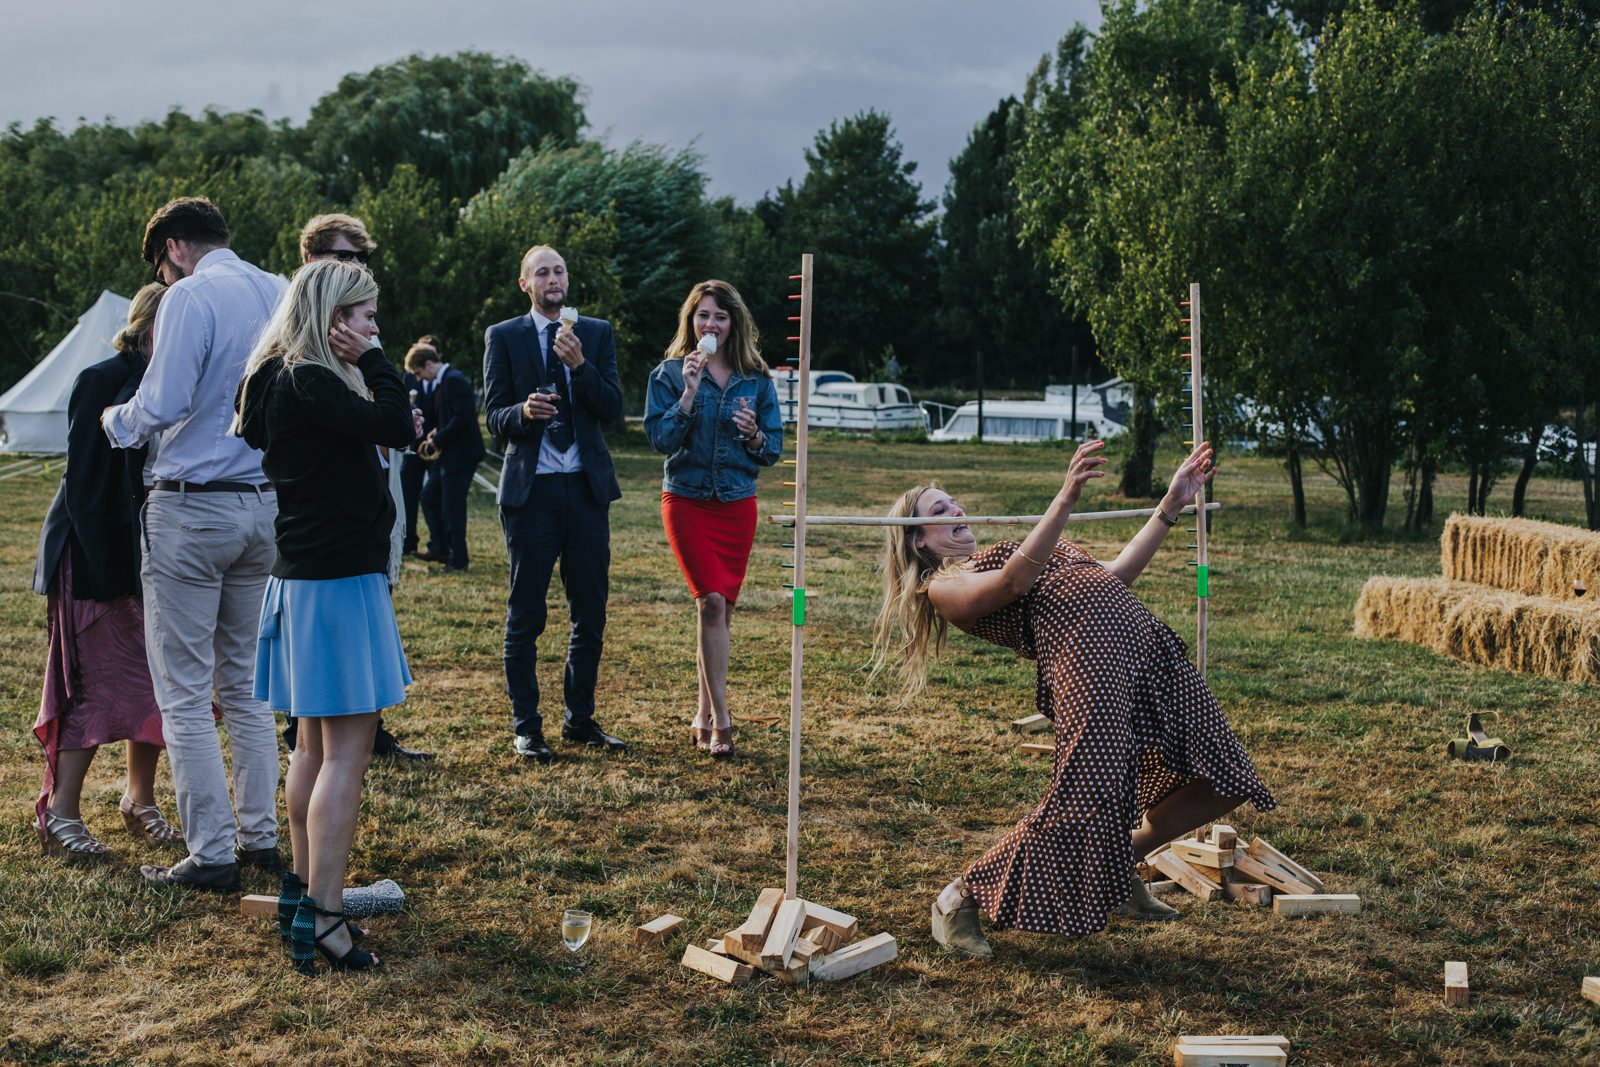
point(1141, 744)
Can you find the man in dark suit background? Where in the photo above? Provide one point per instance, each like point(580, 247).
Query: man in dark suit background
point(548, 388)
point(449, 478)
point(418, 381)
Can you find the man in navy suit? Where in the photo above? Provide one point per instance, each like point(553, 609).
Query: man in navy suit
point(418, 381)
point(448, 481)
point(548, 388)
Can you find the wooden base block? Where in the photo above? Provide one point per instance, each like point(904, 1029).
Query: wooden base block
point(1317, 904)
point(1033, 724)
point(1223, 836)
point(837, 921)
point(1247, 866)
point(853, 959)
point(1455, 983)
point(657, 931)
point(785, 931)
point(1591, 989)
point(719, 967)
point(1248, 893)
point(1191, 879)
point(257, 906)
point(1271, 857)
point(1203, 855)
point(1037, 750)
point(752, 932)
point(1188, 1054)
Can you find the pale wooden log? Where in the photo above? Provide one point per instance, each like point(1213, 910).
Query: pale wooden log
point(1247, 866)
point(1248, 893)
point(853, 959)
point(1036, 750)
point(1200, 854)
point(1455, 983)
point(785, 931)
point(1317, 904)
point(258, 906)
point(1223, 836)
point(1274, 1040)
point(1187, 1054)
point(844, 925)
point(1191, 879)
point(1260, 850)
point(973, 520)
point(1591, 989)
point(657, 931)
point(1033, 724)
point(721, 968)
point(752, 933)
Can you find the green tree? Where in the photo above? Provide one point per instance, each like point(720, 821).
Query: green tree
point(411, 221)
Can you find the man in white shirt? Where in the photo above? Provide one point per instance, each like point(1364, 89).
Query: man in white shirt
point(208, 543)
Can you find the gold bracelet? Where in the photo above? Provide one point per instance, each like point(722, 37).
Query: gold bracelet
point(1162, 515)
point(1030, 559)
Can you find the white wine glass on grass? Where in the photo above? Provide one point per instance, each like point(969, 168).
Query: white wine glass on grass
point(575, 927)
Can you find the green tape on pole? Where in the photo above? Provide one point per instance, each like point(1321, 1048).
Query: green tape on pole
point(1202, 581)
point(799, 617)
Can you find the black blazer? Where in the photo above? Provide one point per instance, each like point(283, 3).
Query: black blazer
point(513, 365)
point(95, 513)
point(456, 411)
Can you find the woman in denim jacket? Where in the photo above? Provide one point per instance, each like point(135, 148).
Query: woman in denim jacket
point(712, 410)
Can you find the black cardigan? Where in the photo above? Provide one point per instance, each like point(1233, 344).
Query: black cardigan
point(335, 513)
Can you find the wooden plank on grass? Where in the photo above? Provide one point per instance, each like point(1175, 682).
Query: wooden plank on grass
point(1248, 893)
point(853, 959)
point(1271, 857)
point(1187, 1054)
point(1029, 749)
point(714, 944)
point(1188, 877)
point(837, 921)
point(657, 931)
point(1223, 836)
point(752, 933)
point(1247, 866)
point(721, 968)
point(1317, 904)
point(1591, 989)
point(731, 946)
point(1033, 724)
point(1455, 983)
point(257, 906)
point(1199, 854)
point(782, 935)
point(1275, 1040)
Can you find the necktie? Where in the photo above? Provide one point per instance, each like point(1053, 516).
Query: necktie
point(559, 430)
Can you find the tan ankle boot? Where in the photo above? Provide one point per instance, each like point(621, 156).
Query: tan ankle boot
point(959, 931)
point(1143, 905)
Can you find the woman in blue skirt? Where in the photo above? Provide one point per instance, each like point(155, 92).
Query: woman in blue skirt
point(318, 398)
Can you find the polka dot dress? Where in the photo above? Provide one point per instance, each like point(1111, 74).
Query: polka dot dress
point(1133, 722)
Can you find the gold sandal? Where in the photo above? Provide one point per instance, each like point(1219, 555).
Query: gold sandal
point(70, 839)
point(146, 822)
point(721, 746)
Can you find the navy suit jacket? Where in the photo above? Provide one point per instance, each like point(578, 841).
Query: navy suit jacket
point(459, 440)
point(513, 365)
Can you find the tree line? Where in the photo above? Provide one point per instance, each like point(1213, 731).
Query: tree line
point(1392, 209)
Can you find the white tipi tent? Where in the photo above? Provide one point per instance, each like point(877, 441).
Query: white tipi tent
point(33, 413)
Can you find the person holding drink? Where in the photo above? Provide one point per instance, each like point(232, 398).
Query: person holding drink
point(713, 411)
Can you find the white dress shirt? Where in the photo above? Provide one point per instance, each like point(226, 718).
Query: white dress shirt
point(550, 460)
point(204, 330)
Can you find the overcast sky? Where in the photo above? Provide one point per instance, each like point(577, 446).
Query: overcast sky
point(749, 83)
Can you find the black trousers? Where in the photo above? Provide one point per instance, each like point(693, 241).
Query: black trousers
point(411, 472)
point(561, 520)
point(444, 505)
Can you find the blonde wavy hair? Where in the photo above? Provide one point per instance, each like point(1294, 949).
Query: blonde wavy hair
point(741, 349)
point(908, 627)
point(141, 317)
point(297, 333)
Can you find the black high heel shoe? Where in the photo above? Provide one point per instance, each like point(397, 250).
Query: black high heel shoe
point(290, 891)
point(306, 938)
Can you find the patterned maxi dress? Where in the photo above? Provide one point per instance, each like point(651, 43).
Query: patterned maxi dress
point(1133, 722)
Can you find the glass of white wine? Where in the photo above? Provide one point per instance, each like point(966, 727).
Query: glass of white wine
point(575, 927)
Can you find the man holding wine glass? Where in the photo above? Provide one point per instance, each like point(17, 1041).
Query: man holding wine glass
point(550, 382)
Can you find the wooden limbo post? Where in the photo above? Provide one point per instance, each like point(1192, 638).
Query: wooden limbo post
point(797, 520)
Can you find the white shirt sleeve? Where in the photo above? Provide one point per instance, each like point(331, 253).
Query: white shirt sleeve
point(183, 336)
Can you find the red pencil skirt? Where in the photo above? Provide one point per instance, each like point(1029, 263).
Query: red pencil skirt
point(712, 540)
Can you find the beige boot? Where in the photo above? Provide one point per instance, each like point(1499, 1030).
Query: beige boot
point(959, 931)
point(1143, 905)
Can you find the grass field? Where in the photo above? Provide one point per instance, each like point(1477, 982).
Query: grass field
point(1492, 865)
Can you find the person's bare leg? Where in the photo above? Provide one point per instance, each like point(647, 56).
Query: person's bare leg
point(305, 762)
point(331, 813)
point(703, 714)
point(142, 759)
point(72, 767)
point(1179, 812)
point(713, 635)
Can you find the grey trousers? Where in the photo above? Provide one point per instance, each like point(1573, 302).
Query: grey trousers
point(206, 560)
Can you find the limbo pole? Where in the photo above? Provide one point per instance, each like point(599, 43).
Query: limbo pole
point(1202, 579)
point(797, 620)
point(975, 520)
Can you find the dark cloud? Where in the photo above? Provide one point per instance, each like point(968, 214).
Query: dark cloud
point(750, 83)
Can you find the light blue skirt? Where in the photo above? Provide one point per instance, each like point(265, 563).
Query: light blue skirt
point(329, 647)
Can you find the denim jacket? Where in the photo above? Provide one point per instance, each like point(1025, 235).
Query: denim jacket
point(703, 457)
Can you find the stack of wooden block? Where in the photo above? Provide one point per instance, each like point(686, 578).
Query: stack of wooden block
point(1262, 1050)
point(1215, 865)
point(794, 941)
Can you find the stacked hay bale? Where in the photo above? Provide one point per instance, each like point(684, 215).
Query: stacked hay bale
point(1513, 596)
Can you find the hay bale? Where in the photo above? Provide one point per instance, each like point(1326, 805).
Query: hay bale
point(1520, 555)
point(1492, 627)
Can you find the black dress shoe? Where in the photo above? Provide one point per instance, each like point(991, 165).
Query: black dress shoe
point(451, 568)
point(433, 557)
point(386, 744)
point(534, 748)
point(265, 859)
point(589, 733)
point(223, 878)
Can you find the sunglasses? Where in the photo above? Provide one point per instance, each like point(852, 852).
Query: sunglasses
point(348, 255)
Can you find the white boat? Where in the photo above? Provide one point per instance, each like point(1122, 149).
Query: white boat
point(1102, 411)
point(838, 402)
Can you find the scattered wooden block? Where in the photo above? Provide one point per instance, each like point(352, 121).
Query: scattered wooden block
point(824, 937)
point(732, 946)
point(752, 934)
point(798, 973)
point(1192, 880)
point(853, 959)
point(1223, 836)
point(714, 944)
point(257, 906)
point(1247, 866)
point(785, 931)
point(1591, 989)
point(1248, 893)
point(1317, 904)
point(1275, 1040)
point(1203, 855)
point(721, 968)
point(1164, 885)
point(657, 931)
point(805, 950)
point(1189, 1054)
point(837, 921)
point(1271, 857)
point(1455, 983)
point(1036, 750)
point(1033, 724)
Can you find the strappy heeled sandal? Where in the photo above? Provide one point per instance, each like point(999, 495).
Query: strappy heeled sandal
point(721, 747)
point(290, 892)
point(70, 839)
point(305, 939)
point(146, 822)
point(700, 737)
